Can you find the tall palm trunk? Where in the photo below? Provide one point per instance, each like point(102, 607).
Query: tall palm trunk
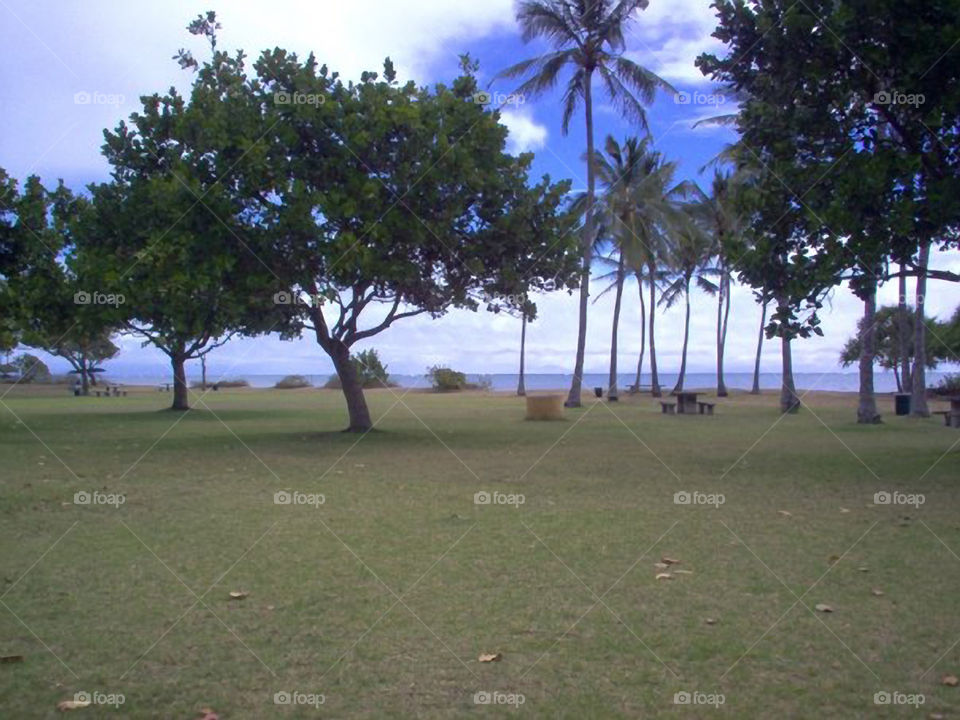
point(755, 390)
point(867, 410)
point(573, 399)
point(643, 331)
point(789, 402)
point(521, 386)
point(654, 378)
point(686, 337)
point(903, 321)
point(612, 392)
point(723, 317)
point(918, 395)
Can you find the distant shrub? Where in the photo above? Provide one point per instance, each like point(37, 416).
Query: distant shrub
point(371, 372)
point(239, 383)
point(446, 380)
point(31, 369)
point(292, 382)
point(948, 385)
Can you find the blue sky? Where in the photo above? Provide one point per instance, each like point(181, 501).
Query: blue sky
point(56, 54)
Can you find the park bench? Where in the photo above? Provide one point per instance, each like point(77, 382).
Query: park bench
point(668, 408)
point(705, 408)
point(950, 418)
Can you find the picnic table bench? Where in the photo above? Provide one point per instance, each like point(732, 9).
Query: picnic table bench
point(705, 407)
point(668, 408)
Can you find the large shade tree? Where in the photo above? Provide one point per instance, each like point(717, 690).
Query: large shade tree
point(383, 201)
point(850, 102)
point(170, 232)
point(587, 39)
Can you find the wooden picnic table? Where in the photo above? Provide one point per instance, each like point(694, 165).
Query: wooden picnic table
point(687, 403)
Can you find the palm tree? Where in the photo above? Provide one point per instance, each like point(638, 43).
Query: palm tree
point(725, 224)
point(755, 390)
point(622, 172)
point(521, 385)
point(691, 256)
point(587, 36)
point(640, 208)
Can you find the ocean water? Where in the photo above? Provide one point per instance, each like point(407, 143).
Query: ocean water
point(829, 381)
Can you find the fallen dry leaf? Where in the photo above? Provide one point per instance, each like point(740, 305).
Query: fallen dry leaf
point(490, 657)
point(823, 608)
point(863, 568)
point(660, 566)
point(208, 714)
point(832, 559)
point(11, 658)
point(949, 680)
point(844, 510)
point(785, 513)
point(876, 593)
point(669, 560)
point(238, 594)
point(72, 704)
point(664, 576)
point(684, 572)
point(711, 621)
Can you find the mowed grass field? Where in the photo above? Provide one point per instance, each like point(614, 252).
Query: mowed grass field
point(382, 598)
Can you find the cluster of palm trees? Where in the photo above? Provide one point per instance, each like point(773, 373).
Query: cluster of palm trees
point(670, 236)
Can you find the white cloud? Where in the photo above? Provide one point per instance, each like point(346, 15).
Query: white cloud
point(668, 36)
point(526, 134)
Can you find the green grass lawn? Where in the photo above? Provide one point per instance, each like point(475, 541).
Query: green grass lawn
point(382, 598)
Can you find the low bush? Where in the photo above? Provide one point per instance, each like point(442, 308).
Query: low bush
point(948, 385)
point(292, 382)
point(445, 379)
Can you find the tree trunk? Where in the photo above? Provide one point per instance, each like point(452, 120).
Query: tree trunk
point(352, 389)
point(203, 372)
point(613, 392)
point(722, 324)
point(755, 390)
point(573, 399)
point(178, 360)
point(867, 410)
point(654, 378)
point(918, 395)
point(643, 331)
point(904, 330)
point(896, 376)
point(789, 402)
point(686, 337)
point(521, 386)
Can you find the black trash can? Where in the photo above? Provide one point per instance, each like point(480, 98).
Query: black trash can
point(598, 391)
point(902, 403)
